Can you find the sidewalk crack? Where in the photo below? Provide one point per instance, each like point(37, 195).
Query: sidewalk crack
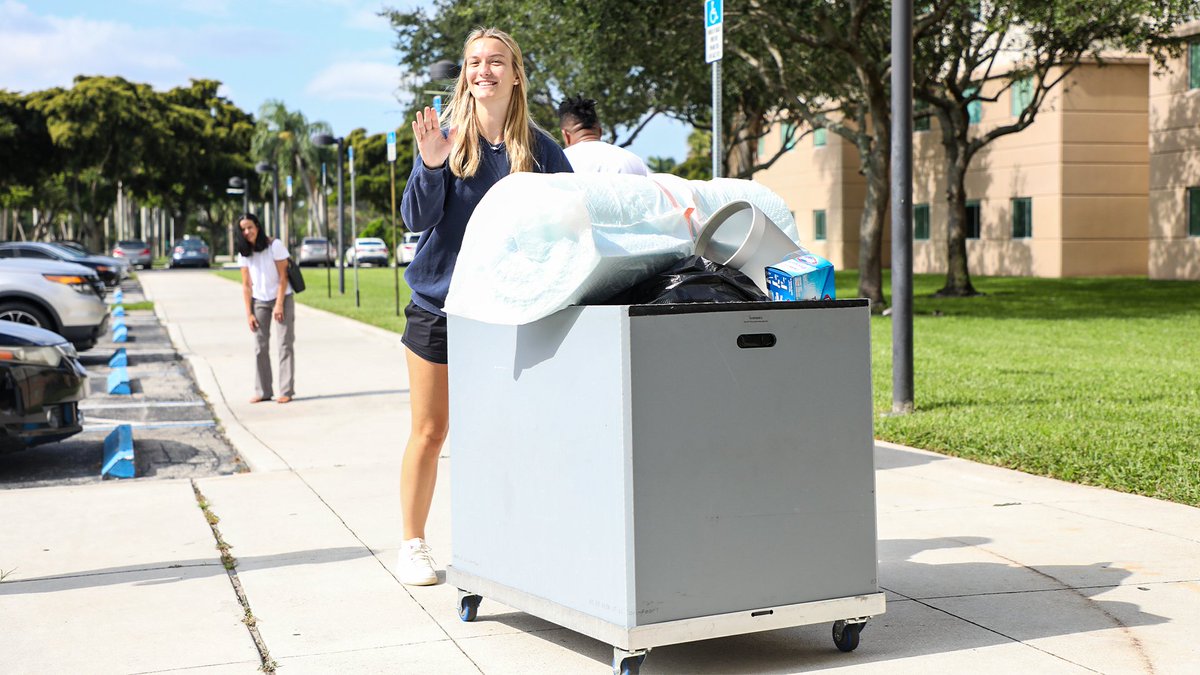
point(268, 664)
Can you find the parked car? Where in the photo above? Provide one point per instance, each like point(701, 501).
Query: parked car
point(315, 251)
point(111, 270)
point(367, 251)
point(76, 246)
point(41, 384)
point(407, 248)
point(136, 251)
point(190, 252)
point(63, 297)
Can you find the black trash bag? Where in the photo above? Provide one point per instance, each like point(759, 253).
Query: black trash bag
point(693, 279)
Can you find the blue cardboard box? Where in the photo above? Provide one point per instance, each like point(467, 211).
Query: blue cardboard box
point(801, 276)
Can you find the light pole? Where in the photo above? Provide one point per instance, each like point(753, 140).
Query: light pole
point(237, 186)
point(240, 186)
point(267, 167)
point(353, 228)
point(328, 242)
point(323, 140)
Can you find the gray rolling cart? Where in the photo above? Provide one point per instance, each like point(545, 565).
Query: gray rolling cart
point(655, 474)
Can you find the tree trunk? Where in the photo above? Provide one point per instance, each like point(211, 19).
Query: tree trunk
point(958, 278)
point(870, 245)
point(748, 124)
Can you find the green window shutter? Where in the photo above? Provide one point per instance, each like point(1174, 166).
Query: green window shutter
point(819, 233)
point(974, 108)
point(1022, 218)
point(1194, 65)
point(788, 129)
point(819, 137)
point(1021, 94)
point(921, 221)
point(1193, 198)
point(972, 224)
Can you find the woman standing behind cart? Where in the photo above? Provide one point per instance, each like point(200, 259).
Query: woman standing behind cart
point(490, 135)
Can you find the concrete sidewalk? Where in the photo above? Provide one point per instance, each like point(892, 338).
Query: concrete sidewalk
point(986, 570)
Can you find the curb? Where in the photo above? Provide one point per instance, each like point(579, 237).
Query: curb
point(258, 456)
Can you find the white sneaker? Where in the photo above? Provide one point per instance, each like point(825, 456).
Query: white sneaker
point(415, 567)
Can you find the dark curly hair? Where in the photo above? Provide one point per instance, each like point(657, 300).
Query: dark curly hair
point(239, 242)
point(580, 110)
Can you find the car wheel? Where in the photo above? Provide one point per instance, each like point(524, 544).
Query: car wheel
point(20, 312)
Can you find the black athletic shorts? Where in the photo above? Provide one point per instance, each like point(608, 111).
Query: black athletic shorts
point(425, 333)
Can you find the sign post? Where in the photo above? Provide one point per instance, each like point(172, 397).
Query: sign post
point(714, 47)
point(354, 229)
point(391, 158)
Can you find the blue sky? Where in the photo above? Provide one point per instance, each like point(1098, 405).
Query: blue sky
point(331, 59)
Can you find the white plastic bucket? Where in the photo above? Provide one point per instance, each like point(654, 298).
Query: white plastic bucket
point(740, 235)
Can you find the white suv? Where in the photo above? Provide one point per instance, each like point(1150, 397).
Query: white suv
point(62, 297)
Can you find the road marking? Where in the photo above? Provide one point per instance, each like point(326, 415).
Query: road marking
point(148, 404)
point(150, 425)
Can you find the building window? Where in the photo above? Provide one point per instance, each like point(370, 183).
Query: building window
point(819, 225)
point(972, 224)
point(1022, 95)
point(975, 107)
point(1194, 65)
point(1022, 217)
point(819, 137)
point(921, 116)
point(920, 221)
point(1193, 198)
point(788, 138)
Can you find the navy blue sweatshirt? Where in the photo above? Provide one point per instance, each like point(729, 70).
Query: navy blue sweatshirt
point(438, 204)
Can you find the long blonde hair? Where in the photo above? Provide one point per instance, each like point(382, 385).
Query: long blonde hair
point(460, 113)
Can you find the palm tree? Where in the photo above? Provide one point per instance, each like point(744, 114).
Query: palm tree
point(284, 138)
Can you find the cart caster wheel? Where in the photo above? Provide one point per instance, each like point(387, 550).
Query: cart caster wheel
point(468, 607)
point(845, 635)
point(630, 665)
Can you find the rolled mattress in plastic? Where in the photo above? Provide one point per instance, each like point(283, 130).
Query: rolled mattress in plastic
point(538, 243)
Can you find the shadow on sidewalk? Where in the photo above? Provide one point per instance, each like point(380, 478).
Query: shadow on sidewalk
point(894, 458)
point(352, 394)
point(1029, 605)
point(165, 571)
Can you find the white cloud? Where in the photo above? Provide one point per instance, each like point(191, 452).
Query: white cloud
point(41, 51)
point(356, 81)
point(45, 51)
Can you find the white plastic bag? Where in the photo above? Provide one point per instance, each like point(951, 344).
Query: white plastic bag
point(538, 243)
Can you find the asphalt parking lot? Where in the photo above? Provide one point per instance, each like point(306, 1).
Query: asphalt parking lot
point(174, 432)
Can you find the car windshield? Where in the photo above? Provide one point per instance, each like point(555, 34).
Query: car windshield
point(411, 238)
point(370, 242)
point(313, 240)
point(191, 243)
point(131, 244)
point(71, 253)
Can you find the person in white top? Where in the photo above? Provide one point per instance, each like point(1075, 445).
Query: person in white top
point(581, 133)
point(267, 295)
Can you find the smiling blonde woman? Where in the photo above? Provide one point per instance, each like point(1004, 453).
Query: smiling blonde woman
point(485, 135)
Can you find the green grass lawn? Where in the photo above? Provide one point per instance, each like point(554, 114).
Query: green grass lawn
point(376, 294)
point(1095, 381)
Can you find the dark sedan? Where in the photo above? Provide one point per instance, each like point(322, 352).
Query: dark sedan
point(41, 385)
point(190, 252)
point(111, 270)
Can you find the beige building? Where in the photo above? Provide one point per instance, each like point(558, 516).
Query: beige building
point(1175, 166)
point(1068, 196)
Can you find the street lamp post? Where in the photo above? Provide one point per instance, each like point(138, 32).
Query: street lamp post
point(267, 167)
point(323, 140)
point(237, 186)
